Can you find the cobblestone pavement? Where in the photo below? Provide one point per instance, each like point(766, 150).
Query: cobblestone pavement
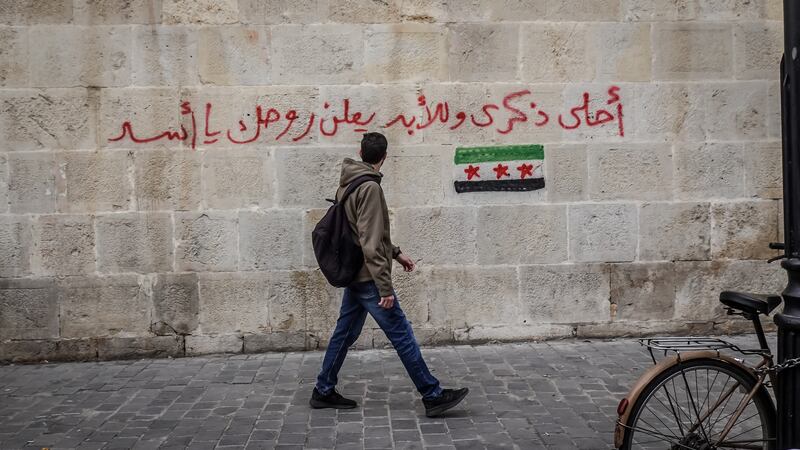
point(549, 395)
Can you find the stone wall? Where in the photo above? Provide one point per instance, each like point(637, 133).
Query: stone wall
point(164, 161)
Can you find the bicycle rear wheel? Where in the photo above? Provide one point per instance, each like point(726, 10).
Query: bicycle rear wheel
point(689, 405)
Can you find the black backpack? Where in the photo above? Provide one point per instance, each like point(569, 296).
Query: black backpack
point(337, 251)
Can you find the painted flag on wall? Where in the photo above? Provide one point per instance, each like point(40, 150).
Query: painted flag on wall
point(501, 168)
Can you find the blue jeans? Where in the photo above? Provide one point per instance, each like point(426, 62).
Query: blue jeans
point(358, 299)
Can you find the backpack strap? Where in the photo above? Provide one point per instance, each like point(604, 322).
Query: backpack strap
point(356, 183)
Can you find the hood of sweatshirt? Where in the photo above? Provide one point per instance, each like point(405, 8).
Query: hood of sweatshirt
point(352, 169)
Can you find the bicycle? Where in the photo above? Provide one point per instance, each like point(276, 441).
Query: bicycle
point(699, 398)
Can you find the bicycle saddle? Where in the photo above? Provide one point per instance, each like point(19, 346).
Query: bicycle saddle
point(750, 303)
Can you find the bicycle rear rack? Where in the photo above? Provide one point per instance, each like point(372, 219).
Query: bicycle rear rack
point(694, 343)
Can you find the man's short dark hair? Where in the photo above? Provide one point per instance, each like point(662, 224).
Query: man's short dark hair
point(373, 147)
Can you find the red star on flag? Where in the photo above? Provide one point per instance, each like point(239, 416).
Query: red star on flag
point(525, 170)
point(501, 170)
point(472, 171)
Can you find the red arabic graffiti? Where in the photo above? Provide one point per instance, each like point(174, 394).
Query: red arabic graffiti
point(520, 108)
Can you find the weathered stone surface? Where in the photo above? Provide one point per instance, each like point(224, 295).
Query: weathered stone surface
point(354, 11)
point(324, 54)
point(589, 10)
point(109, 12)
point(270, 239)
point(164, 56)
point(466, 297)
point(206, 241)
point(306, 177)
point(602, 232)
point(283, 11)
point(103, 306)
point(621, 52)
point(516, 10)
point(641, 172)
point(692, 51)
point(27, 351)
point(199, 11)
point(167, 179)
point(31, 182)
point(234, 302)
point(669, 112)
point(176, 304)
point(674, 231)
point(3, 183)
point(234, 55)
point(237, 178)
point(413, 177)
point(736, 111)
point(763, 174)
point(276, 341)
point(64, 245)
point(140, 347)
point(525, 123)
point(441, 235)
point(657, 10)
point(14, 65)
point(758, 48)
point(34, 11)
point(566, 175)
point(728, 9)
point(413, 291)
point(480, 52)
point(492, 335)
point(407, 52)
point(438, 11)
point(94, 181)
point(150, 112)
point(134, 242)
point(465, 98)
point(204, 345)
point(28, 309)
point(709, 170)
point(743, 230)
point(774, 110)
point(642, 291)
point(522, 234)
point(16, 243)
point(52, 118)
point(301, 300)
point(539, 62)
point(565, 293)
point(67, 56)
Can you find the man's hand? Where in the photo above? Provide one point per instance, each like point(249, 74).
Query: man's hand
point(408, 264)
point(386, 302)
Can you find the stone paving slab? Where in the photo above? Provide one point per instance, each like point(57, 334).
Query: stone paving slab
point(548, 395)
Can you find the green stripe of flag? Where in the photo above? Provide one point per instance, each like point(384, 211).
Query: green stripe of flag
point(469, 155)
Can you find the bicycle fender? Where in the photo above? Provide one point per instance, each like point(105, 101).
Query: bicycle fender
point(651, 373)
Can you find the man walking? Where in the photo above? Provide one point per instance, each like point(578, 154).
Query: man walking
point(372, 291)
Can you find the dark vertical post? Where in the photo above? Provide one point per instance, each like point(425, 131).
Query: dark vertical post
point(788, 382)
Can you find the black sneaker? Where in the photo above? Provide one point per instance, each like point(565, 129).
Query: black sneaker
point(448, 399)
point(332, 400)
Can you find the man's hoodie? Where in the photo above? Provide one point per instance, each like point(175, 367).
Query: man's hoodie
point(369, 219)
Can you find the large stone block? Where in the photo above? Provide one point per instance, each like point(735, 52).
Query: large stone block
point(111, 12)
point(234, 55)
point(446, 12)
point(774, 122)
point(643, 291)
point(525, 113)
point(164, 56)
point(306, 177)
point(3, 183)
point(275, 342)
point(300, 301)
point(35, 11)
point(141, 347)
point(234, 302)
point(204, 345)
point(505, 333)
point(758, 48)
point(588, 10)
point(516, 10)
point(763, 170)
point(28, 309)
point(692, 51)
point(270, 239)
point(176, 304)
point(602, 232)
point(659, 10)
point(736, 111)
point(354, 11)
point(407, 52)
point(522, 234)
point(206, 241)
point(413, 290)
point(148, 113)
point(283, 11)
point(16, 243)
point(674, 231)
point(743, 230)
point(134, 242)
point(103, 306)
point(481, 52)
point(641, 172)
point(441, 235)
point(566, 173)
point(565, 293)
point(721, 10)
point(709, 170)
point(465, 297)
point(311, 54)
point(167, 179)
point(200, 11)
point(14, 66)
point(669, 112)
point(614, 127)
point(53, 119)
point(64, 245)
point(235, 178)
point(67, 56)
point(555, 52)
point(31, 182)
point(466, 102)
point(621, 52)
point(94, 181)
point(413, 177)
